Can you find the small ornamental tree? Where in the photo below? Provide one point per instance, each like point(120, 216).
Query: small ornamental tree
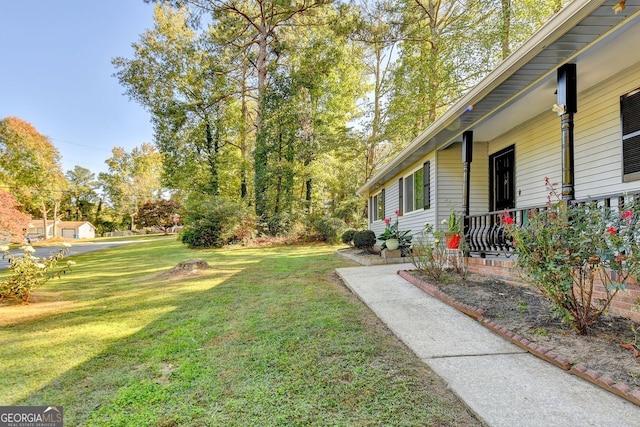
point(12, 221)
point(29, 272)
point(158, 214)
point(568, 249)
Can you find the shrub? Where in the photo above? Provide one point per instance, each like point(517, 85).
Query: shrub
point(212, 221)
point(327, 228)
point(364, 239)
point(347, 237)
point(278, 224)
point(567, 249)
point(431, 257)
point(429, 253)
point(29, 272)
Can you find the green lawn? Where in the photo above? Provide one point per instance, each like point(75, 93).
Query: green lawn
point(268, 336)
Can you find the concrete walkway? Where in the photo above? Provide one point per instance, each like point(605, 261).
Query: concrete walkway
point(500, 382)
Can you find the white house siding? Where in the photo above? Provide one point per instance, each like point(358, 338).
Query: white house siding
point(538, 151)
point(390, 205)
point(416, 219)
point(598, 137)
point(479, 187)
point(449, 181)
point(86, 231)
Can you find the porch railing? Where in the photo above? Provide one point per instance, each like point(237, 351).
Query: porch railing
point(485, 234)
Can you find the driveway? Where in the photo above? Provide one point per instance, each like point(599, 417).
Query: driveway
point(76, 249)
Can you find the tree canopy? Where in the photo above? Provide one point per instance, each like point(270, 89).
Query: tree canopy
point(284, 108)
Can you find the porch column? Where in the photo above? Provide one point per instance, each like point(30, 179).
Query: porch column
point(568, 192)
point(467, 157)
point(566, 107)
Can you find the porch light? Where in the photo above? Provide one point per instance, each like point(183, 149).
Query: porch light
point(559, 109)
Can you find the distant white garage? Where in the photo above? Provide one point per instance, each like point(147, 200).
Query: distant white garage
point(65, 229)
point(68, 233)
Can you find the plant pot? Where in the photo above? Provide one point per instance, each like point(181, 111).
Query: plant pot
point(453, 241)
point(392, 244)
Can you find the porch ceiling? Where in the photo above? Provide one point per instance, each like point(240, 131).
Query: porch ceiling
point(524, 84)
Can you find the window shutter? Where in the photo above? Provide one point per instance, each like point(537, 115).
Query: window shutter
point(426, 182)
point(383, 204)
point(371, 218)
point(400, 198)
point(630, 109)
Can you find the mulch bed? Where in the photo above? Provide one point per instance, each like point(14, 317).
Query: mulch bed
point(524, 316)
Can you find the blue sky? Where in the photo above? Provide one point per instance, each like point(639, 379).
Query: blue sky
point(56, 73)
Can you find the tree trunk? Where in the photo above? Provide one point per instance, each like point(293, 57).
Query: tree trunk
point(43, 209)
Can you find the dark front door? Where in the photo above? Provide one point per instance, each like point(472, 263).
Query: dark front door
point(502, 175)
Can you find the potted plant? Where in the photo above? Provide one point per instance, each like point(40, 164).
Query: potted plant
point(392, 238)
point(452, 235)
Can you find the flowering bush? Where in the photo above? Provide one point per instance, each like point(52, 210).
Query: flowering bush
point(29, 272)
point(392, 232)
point(567, 249)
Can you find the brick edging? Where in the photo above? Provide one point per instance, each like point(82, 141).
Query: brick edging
point(437, 293)
point(631, 394)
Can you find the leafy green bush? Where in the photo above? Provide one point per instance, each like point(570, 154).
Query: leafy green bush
point(212, 221)
point(328, 229)
point(364, 239)
point(567, 249)
point(347, 236)
point(278, 224)
point(29, 272)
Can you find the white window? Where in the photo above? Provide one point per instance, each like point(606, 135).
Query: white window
point(377, 206)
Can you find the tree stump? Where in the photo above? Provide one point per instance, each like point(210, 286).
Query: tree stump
point(187, 267)
point(191, 265)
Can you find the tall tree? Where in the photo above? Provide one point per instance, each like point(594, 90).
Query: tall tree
point(378, 36)
point(255, 28)
point(133, 178)
point(30, 166)
point(307, 110)
point(435, 65)
point(81, 195)
point(515, 21)
point(181, 77)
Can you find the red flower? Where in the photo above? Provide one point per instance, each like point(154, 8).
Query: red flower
point(507, 219)
point(397, 211)
point(387, 221)
point(612, 230)
point(627, 215)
